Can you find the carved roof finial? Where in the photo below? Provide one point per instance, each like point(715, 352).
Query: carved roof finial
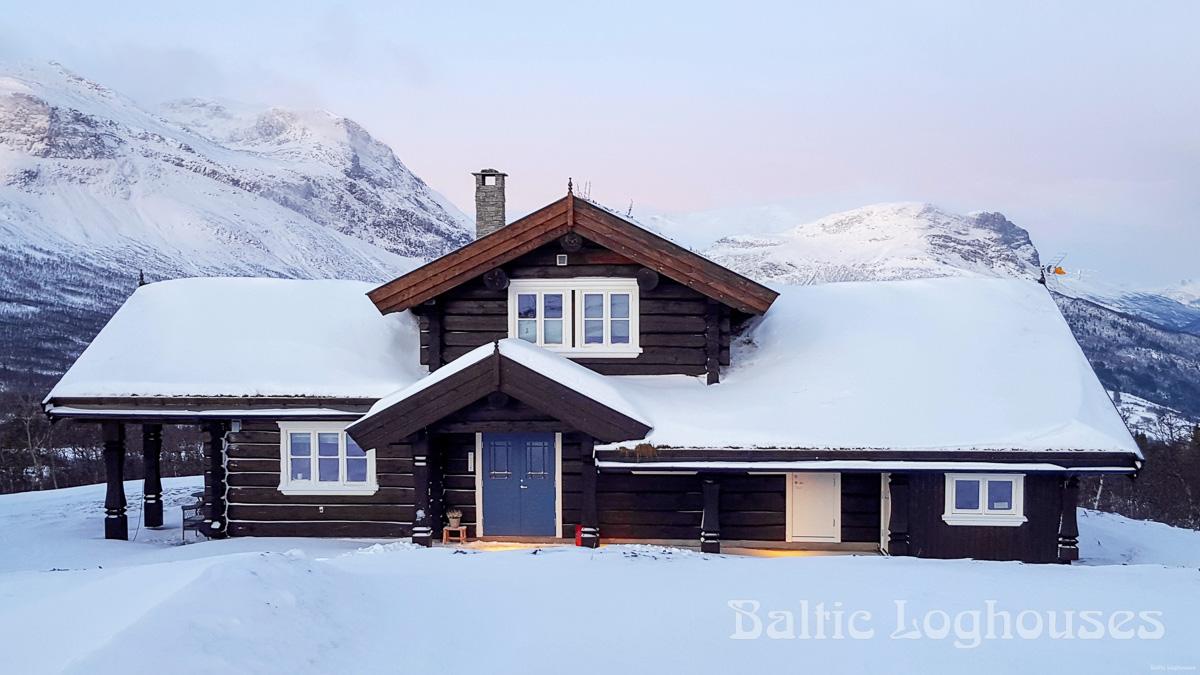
point(570, 187)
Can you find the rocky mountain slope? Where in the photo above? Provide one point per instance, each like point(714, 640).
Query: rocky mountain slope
point(94, 190)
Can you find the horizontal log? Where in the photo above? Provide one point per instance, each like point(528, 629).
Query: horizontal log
point(572, 271)
point(860, 520)
point(615, 482)
point(272, 495)
point(306, 512)
point(658, 501)
point(256, 436)
point(365, 530)
point(473, 307)
point(753, 501)
point(267, 480)
point(642, 369)
point(610, 517)
point(254, 465)
point(484, 322)
point(472, 338)
point(253, 451)
point(621, 531)
point(733, 518)
point(657, 306)
point(547, 256)
point(753, 533)
point(672, 323)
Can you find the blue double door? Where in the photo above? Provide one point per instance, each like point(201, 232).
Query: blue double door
point(518, 485)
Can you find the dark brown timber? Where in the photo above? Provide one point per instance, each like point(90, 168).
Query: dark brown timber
point(152, 506)
point(116, 523)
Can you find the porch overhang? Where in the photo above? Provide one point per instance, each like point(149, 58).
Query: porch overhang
point(545, 381)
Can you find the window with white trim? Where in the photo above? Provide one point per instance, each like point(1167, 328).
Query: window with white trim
point(985, 499)
point(588, 317)
point(319, 458)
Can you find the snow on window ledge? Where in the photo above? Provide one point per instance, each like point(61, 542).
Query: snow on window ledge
point(341, 490)
point(984, 520)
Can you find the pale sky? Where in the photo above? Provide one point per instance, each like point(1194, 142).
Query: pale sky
point(1078, 120)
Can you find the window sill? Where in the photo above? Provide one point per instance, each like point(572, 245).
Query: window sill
point(583, 353)
point(984, 520)
point(342, 490)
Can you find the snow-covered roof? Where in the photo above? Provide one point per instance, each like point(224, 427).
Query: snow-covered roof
point(933, 364)
point(248, 337)
point(601, 389)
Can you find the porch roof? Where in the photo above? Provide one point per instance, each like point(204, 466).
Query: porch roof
point(546, 381)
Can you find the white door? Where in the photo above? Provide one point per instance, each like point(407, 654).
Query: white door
point(814, 507)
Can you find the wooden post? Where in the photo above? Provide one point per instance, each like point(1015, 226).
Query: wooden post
point(436, 509)
point(433, 314)
point(215, 483)
point(712, 341)
point(710, 522)
point(589, 517)
point(422, 533)
point(898, 543)
point(152, 507)
point(1068, 529)
point(116, 523)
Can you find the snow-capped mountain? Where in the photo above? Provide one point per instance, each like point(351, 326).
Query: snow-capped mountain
point(1127, 337)
point(880, 242)
point(95, 189)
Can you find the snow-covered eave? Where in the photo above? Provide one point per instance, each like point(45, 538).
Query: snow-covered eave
point(69, 412)
point(857, 465)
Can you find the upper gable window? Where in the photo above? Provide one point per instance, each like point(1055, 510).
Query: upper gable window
point(595, 318)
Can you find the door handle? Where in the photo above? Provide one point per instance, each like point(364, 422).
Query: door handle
point(524, 487)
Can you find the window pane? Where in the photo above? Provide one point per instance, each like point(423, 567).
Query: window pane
point(301, 468)
point(328, 467)
point(966, 495)
point(327, 445)
point(593, 332)
point(619, 332)
point(552, 334)
point(352, 449)
point(356, 469)
point(1000, 494)
point(618, 305)
point(301, 444)
point(527, 330)
point(553, 305)
point(526, 306)
point(593, 305)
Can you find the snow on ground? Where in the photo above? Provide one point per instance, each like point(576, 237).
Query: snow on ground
point(72, 602)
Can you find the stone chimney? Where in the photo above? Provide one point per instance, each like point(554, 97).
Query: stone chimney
point(489, 202)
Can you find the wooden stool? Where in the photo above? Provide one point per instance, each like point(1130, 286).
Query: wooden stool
point(459, 534)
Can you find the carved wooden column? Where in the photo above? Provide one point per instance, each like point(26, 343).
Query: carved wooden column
point(116, 523)
point(215, 480)
point(710, 521)
point(152, 507)
point(898, 543)
point(1068, 529)
point(589, 518)
point(422, 532)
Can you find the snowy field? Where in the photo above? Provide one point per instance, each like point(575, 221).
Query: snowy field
point(73, 602)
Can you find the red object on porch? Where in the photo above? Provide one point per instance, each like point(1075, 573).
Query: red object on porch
point(579, 535)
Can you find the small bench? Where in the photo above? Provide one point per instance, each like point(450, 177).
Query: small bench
point(458, 534)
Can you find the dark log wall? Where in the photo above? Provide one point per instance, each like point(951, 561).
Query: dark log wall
point(861, 505)
point(258, 508)
point(752, 507)
point(672, 316)
point(1033, 541)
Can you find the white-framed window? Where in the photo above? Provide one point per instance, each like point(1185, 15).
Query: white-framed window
point(319, 458)
point(589, 317)
point(985, 499)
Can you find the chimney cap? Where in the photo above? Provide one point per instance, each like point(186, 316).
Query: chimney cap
point(488, 172)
